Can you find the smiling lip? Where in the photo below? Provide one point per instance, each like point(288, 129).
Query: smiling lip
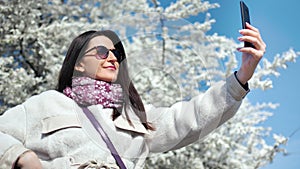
point(110, 67)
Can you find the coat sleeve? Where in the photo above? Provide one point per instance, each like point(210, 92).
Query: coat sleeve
point(186, 122)
point(12, 135)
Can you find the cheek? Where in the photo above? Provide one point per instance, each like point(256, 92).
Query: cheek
point(117, 66)
point(92, 68)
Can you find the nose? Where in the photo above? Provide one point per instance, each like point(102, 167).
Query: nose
point(111, 57)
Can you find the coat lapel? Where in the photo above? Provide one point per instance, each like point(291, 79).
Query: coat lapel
point(135, 125)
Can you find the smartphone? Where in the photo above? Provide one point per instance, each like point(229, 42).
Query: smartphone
point(245, 18)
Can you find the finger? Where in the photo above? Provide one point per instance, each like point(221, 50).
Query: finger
point(257, 44)
point(257, 32)
point(247, 32)
point(248, 26)
point(256, 54)
point(252, 37)
point(252, 29)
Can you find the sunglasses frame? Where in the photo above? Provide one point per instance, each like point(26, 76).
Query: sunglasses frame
point(99, 55)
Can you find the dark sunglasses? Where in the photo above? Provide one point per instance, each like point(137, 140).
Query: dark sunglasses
point(103, 52)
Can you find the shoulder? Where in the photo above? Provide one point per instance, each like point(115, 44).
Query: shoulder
point(50, 101)
point(49, 96)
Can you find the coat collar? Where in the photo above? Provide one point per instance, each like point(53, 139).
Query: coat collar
point(121, 122)
point(135, 125)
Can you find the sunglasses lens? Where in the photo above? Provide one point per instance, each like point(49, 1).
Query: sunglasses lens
point(102, 52)
point(117, 55)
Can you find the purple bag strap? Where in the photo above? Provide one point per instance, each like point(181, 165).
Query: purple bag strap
point(104, 136)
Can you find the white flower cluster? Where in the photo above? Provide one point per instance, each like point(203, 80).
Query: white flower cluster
point(261, 77)
point(170, 59)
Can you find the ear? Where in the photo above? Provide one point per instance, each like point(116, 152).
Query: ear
point(79, 67)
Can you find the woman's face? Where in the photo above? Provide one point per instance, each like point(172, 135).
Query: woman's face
point(100, 69)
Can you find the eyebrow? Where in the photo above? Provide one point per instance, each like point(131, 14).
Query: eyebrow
point(90, 49)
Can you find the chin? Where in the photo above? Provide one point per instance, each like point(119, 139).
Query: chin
point(107, 79)
point(107, 76)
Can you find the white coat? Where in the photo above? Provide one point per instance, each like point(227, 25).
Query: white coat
point(55, 128)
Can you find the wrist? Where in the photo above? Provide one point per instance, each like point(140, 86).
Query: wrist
point(245, 86)
point(241, 77)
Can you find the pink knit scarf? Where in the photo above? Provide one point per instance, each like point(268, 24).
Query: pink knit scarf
point(87, 91)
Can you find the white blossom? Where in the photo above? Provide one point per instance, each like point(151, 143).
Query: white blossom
point(170, 59)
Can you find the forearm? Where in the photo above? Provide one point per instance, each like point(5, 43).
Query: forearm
point(12, 135)
point(186, 122)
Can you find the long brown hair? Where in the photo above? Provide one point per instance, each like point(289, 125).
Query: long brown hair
point(75, 52)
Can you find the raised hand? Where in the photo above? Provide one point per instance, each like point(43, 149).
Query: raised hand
point(251, 56)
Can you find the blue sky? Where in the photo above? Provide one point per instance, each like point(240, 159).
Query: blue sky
point(278, 22)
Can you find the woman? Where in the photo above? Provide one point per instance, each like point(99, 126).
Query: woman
point(53, 129)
